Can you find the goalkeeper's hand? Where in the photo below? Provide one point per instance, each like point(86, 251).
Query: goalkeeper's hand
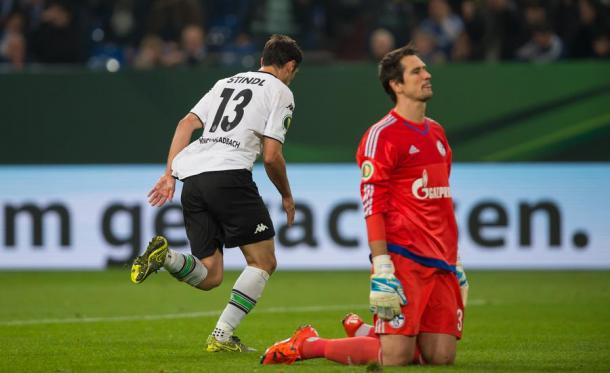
point(387, 294)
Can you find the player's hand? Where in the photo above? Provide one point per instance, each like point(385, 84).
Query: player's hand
point(288, 205)
point(163, 191)
point(387, 294)
point(463, 281)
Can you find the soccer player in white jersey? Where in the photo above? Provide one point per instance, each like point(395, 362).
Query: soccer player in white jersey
point(241, 116)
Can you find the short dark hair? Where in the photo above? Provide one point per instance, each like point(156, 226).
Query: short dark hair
point(390, 67)
point(281, 49)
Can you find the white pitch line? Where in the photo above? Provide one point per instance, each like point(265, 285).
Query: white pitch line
point(185, 315)
point(190, 315)
point(478, 302)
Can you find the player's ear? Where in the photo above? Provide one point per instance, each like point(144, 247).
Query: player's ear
point(395, 85)
point(292, 66)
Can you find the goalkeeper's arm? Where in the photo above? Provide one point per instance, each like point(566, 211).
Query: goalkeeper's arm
point(386, 294)
point(375, 229)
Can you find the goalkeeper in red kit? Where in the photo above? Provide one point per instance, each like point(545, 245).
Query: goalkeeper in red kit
point(418, 309)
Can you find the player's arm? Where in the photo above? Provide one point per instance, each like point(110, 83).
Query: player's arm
point(375, 230)
point(163, 190)
point(275, 165)
point(280, 118)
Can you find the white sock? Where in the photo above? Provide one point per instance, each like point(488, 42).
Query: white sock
point(363, 330)
point(185, 268)
point(173, 261)
point(245, 293)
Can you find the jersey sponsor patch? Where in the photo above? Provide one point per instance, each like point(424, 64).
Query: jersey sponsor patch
point(367, 170)
point(420, 189)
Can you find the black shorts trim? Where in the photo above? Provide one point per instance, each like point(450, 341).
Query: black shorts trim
point(250, 240)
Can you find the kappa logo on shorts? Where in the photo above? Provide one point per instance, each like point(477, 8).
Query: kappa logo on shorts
point(398, 321)
point(261, 228)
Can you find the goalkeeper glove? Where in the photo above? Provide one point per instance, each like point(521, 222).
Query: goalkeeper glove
point(463, 281)
point(387, 294)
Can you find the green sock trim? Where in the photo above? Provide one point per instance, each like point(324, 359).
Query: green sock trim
point(189, 264)
point(242, 301)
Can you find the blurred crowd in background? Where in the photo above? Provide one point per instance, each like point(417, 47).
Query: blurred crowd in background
point(145, 34)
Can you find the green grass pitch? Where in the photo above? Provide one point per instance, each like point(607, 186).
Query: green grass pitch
point(99, 321)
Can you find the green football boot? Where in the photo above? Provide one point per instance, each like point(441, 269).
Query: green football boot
point(151, 261)
point(232, 345)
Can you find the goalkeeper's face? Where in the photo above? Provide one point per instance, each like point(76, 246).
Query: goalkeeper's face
point(416, 80)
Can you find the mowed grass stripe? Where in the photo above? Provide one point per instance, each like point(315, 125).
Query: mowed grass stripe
point(555, 137)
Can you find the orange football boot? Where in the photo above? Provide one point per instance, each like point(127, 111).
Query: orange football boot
point(289, 350)
point(351, 322)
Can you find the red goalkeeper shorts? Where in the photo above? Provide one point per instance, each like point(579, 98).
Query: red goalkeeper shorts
point(434, 303)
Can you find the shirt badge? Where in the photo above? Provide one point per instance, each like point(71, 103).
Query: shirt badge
point(441, 148)
point(367, 170)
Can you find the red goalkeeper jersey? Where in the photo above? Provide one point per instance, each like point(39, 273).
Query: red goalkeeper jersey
point(405, 176)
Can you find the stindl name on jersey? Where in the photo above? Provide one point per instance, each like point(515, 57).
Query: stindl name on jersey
point(421, 190)
point(246, 80)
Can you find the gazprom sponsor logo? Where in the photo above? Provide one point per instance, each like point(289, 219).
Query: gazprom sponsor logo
point(421, 190)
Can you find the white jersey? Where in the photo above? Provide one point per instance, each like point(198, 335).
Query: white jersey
point(236, 114)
